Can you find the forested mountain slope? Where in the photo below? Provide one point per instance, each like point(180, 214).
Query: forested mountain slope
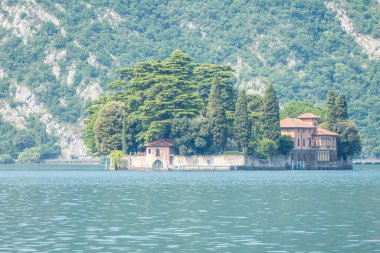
point(56, 56)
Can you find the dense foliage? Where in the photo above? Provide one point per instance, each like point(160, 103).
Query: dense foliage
point(108, 127)
point(216, 117)
point(331, 117)
point(271, 115)
point(241, 125)
point(293, 109)
point(349, 142)
point(298, 46)
point(191, 136)
point(341, 110)
point(154, 95)
point(26, 146)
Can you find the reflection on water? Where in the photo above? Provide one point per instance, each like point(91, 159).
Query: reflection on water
point(86, 209)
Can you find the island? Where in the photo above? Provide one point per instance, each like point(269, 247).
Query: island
point(175, 114)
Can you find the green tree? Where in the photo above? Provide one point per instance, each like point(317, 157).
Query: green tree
point(190, 135)
point(157, 92)
point(349, 142)
point(330, 118)
point(29, 155)
point(124, 134)
point(216, 117)
point(293, 109)
point(265, 148)
point(89, 135)
point(271, 115)
point(6, 159)
point(49, 150)
point(241, 124)
point(23, 139)
point(108, 128)
point(341, 108)
point(116, 159)
point(183, 136)
point(204, 76)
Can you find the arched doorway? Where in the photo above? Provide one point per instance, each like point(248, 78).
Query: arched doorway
point(158, 165)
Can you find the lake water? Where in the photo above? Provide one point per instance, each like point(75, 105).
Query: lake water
point(52, 208)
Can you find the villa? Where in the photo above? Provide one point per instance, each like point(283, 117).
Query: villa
point(314, 147)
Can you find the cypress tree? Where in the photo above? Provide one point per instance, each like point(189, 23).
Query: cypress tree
point(271, 115)
point(331, 118)
point(124, 134)
point(241, 122)
point(216, 116)
point(341, 108)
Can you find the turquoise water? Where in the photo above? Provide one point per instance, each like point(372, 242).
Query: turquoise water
point(50, 208)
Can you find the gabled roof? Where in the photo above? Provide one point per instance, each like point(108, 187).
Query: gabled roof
point(160, 143)
point(324, 132)
point(294, 123)
point(308, 116)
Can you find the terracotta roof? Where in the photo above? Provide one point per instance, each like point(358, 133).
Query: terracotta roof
point(294, 123)
point(160, 143)
point(321, 131)
point(308, 116)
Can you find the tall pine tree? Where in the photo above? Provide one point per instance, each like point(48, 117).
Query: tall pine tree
point(271, 115)
point(216, 116)
point(331, 118)
point(341, 108)
point(241, 122)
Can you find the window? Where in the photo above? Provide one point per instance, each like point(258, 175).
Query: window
point(303, 142)
point(298, 140)
point(309, 142)
point(157, 152)
point(149, 151)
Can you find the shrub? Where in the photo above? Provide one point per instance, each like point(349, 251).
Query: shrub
point(29, 155)
point(6, 159)
point(115, 159)
point(266, 148)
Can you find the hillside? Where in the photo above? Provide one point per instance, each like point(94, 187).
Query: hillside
point(57, 56)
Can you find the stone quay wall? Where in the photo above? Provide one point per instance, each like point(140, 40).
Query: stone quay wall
point(208, 162)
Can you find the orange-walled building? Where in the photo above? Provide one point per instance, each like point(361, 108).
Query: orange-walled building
point(314, 147)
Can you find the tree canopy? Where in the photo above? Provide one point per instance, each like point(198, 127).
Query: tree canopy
point(157, 92)
point(241, 126)
point(271, 115)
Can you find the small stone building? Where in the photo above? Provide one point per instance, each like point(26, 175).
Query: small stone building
point(160, 153)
